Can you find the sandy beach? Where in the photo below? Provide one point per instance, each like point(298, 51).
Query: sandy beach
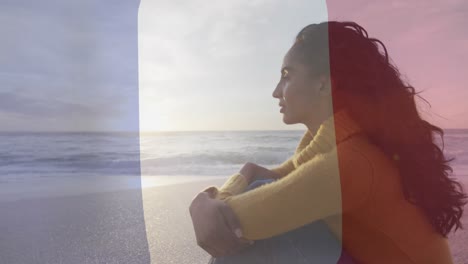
point(111, 227)
point(103, 226)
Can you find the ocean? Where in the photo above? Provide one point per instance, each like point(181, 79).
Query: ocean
point(43, 159)
point(214, 153)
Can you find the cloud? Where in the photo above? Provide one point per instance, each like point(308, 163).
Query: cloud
point(48, 107)
point(72, 60)
point(192, 40)
point(214, 55)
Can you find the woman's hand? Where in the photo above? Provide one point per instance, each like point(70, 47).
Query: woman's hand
point(251, 170)
point(215, 226)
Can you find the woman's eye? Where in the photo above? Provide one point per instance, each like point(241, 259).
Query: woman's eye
point(284, 74)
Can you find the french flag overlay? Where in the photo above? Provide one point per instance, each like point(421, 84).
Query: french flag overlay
point(70, 188)
point(114, 115)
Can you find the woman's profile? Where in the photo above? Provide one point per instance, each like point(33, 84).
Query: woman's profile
point(367, 182)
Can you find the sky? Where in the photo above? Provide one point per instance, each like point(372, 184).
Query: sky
point(84, 65)
point(68, 65)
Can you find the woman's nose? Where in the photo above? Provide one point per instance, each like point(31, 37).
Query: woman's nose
point(277, 92)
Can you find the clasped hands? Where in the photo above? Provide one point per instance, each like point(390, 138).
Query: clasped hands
point(217, 228)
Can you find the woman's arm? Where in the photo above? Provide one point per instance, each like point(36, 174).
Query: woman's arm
point(321, 187)
point(252, 172)
point(238, 182)
point(284, 168)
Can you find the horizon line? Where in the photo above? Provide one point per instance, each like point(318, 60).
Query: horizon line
point(162, 131)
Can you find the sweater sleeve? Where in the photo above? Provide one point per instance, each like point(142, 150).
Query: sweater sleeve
point(285, 168)
point(236, 184)
point(288, 166)
point(313, 191)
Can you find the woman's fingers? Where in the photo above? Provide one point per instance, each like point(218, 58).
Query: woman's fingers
point(213, 240)
point(231, 220)
point(229, 243)
point(234, 224)
point(226, 242)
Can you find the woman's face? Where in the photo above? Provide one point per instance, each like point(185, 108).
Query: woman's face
point(303, 96)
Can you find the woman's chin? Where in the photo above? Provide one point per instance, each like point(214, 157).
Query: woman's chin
point(290, 121)
point(287, 121)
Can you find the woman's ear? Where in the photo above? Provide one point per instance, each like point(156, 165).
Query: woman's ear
point(326, 85)
point(333, 84)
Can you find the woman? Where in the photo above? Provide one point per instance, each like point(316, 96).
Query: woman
point(367, 169)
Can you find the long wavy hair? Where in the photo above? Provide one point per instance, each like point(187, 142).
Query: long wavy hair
point(367, 84)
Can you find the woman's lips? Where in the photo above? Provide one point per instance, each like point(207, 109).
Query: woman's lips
point(282, 109)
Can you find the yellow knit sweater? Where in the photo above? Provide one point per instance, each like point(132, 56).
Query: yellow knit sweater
point(339, 176)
